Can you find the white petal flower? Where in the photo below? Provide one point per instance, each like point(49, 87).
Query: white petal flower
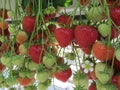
point(91, 64)
point(86, 70)
point(87, 62)
point(83, 65)
point(91, 69)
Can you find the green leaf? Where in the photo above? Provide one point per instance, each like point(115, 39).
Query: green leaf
point(62, 3)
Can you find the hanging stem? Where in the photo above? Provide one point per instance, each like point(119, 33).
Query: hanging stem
point(16, 8)
point(3, 13)
point(9, 4)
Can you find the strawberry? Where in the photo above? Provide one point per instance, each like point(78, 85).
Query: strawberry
point(10, 14)
point(6, 60)
point(92, 75)
point(103, 72)
point(102, 52)
point(116, 65)
point(5, 27)
point(5, 13)
point(107, 86)
point(80, 79)
point(50, 12)
point(64, 74)
point(92, 87)
point(17, 60)
point(95, 13)
point(49, 60)
point(25, 81)
point(111, 3)
point(1, 67)
point(42, 76)
point(28, 23)
point(36, 53)
point(21, 37)
point(23, 49)
point(11, 80)
point(85, 35)
point(64, 19)
point(87, 50)
point(64, 36)
point(1, 77)
point(44, 86)
point(104, 30)
point(30, 87)
point(117, 54)
point(115, 79)
point(52, 27)
point(84, 2)
point(114, 33)
point(31, 65)
point(60, 60)
point(78, 87)
point(22, 73)
point(114, 14)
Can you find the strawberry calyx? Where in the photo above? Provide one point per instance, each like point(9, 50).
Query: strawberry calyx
point(49, 10)
point(78, 87)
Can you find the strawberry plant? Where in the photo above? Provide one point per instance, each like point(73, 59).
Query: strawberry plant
point(40, 40)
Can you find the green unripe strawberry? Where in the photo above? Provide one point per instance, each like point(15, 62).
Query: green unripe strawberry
point(22, 73)
point(80, 79)
point(95, 14)
point(1, 78)
point(78, 87)
point(107, 86)
point(104, 30)
point(3, 85)
point(103, 72)
point(17, 60)
point(49, 10)
point(42, 86)
point(117, 54)
point(30, 74)
point(42, 76)
point(32, 65)
point(11, 80)
point(12, 30)
point(6, 60)
point(30, 87)
point(49, 60)
point(10, 14)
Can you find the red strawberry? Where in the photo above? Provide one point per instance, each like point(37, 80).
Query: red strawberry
point(28, 23)
point(1, 67)
point(114, 79)
point(84, 2)
point(115, 15)
point(114, 33)
point(5, 13)
point(36, 53)
point(92, 87)
point(51, 28)
point(63, 75)
point(102, 52)
point(64, 19)
point(49, 16)
point(64, 36)
point(87, 50)
point(85, 35)
point(116, 65)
